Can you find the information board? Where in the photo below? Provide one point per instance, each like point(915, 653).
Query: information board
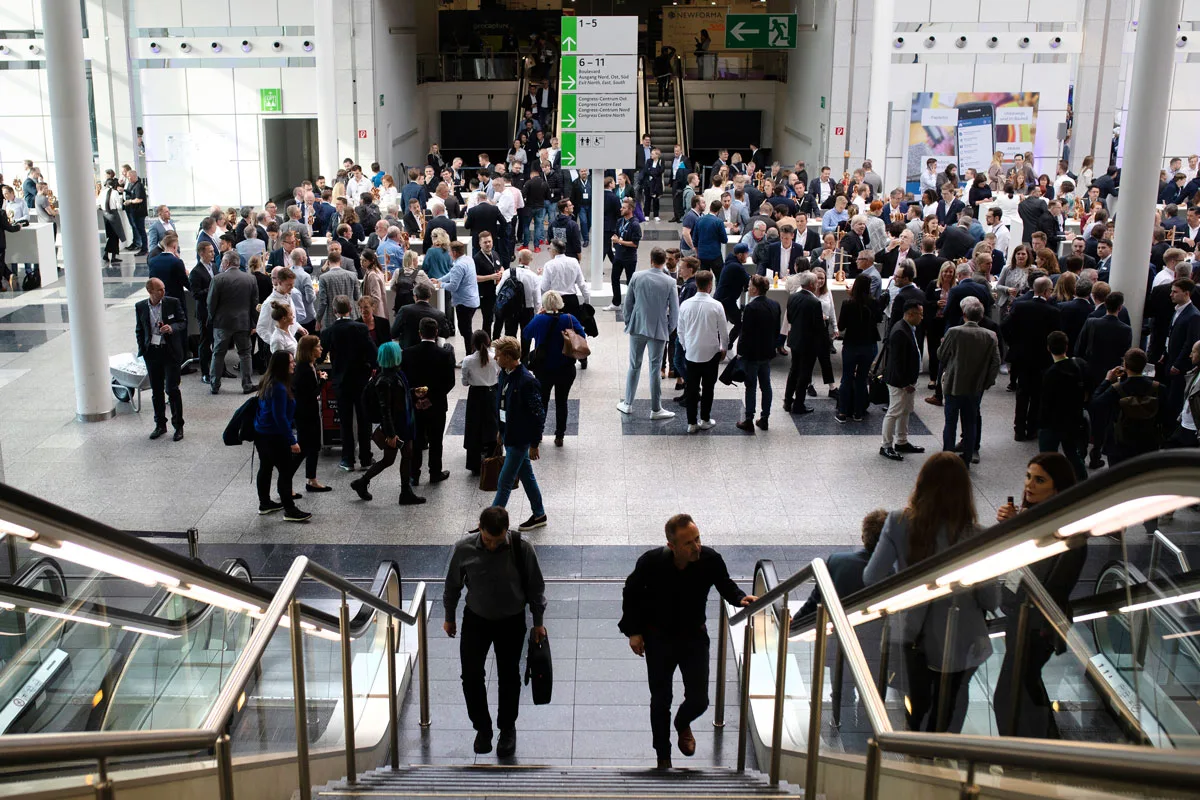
point(598, 91)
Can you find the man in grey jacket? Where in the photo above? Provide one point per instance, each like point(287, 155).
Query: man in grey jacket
point(651, 311)
point(232, 301)
point(498, 589)
point(333, 282)
point(970, 357)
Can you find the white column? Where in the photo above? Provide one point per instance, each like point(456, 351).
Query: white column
point(327, 139)
point(63, 25)
point(1144, 135)
point(596, 252)
point(884, 12)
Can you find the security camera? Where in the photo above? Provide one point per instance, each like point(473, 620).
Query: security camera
point(155, 47)
point(185, 47)
point(1023, 41)
point(931, 41)
point(245, 46)
point(308, 46)
point(960, 41)
point(276, 45)
point(34, 49)
point(1181, 41)
point(993, 41)
point(899, 42)
point(1056, 41)
point(4, 50)
point(216, 47)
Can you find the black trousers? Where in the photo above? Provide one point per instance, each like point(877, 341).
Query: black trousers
point(507, 637)
point(431, 426)
point(733, 315)
point(664, 83)
point(352, 413)
point(274, 453)
point(487, 307)
point(617, 268)
point(664, 654)
point(465, 317)
point(713, 265)
point(1035, 711)
point(799, 374)
point(560, 380)
point(205, 345)
point(653, 204)
point(931, 712)
point(698, 388)
point(512, 324)
point(164, 383)
point(1029, 398)
point(388, 458)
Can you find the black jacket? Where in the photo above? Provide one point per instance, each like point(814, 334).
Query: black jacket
point(948, 216)
point(406, 327)
point(520, 398)
point(774, 255)
point(760, 329)
point(955, 242)
point(1065, 389)
point(903, 365)
point(1184, 333)
point(661, 599)
point(350, 349)
point(172, 314)
point(1026, 329)
point(1102, 343)
point(1035, 216)
point(449, 226)
point(858, 323)
point(306, 387)
point(732, 284)
point(430, 365)
point(484, 217)
point(906, 294)
point(567, 229)
point(612, 212)
point(808, 332)
point(887, 260)
point(170, 269)
point(967, 288)
point(928, 266)
point(200, 280)
point(395, 408)
point(577, 190)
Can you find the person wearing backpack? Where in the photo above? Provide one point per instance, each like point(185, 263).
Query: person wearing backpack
point(389, 403)
point(516, 296)
point(549, 365)
point(1132, 401)
point(501, 574)
point(1065, 392)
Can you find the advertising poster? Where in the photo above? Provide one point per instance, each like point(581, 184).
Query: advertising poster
point(682, 26)
point(966, 128)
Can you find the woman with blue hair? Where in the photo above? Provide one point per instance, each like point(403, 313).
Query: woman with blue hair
point(389, 391)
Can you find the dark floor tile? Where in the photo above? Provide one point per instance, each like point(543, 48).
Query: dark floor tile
point(822, 423)
point(53, 313)
point(457, 425)
point(19, 341)
point(610, 561)
point(638, 423)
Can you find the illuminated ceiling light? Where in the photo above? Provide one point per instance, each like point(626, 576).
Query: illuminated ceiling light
point(1130, 512)
point(209, 597)
point(1162, 601)
point(92, 559)
point(45, 612)
point(1093, 615)
point(149, 632)
point(1015, 557)
point(915, 596)
point(7, 527)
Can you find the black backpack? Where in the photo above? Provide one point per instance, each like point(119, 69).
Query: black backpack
point(510, 300)
point(1137, 418)
point(241, 425)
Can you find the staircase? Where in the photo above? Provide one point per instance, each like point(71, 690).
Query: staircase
point(534, 781)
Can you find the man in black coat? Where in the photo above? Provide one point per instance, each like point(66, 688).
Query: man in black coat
point(406, 328)
point(168, 268)
point(1102, 343)
point(775, 260)
point(901, 372)
point(161, 328)
point(1177, 360)
point(949, 207)
point(760, 331)
point(956, 241)
point(1065, 392)
point(1036, 216)
point(904, 277)
point(438, 220)
point(485, 216)
point(612, 213)
point(201, 279)
point(929, 263)
point(1026, 330)
point(809, 340)
point(350, 349)
point(430, 366)
point(966, 286)
point(808, 239)
point(733, 283)
point(1076, 312)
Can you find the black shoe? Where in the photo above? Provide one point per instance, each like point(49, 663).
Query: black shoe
point(483, 742)
point(228, 374)
point(907, 447)
point(296, 515)
point(345, 466)
point(834, 393)
point(787, 405)
point(408, 498)
point(533, 522)
point(558, 441)
point(841, 418)
point(958, 448)
point(746, 425)
point(506, 745)
point(158, 431)
point(248, 390)
point(890, 453)
point(308, 487)
point(141, 254)
point(664, 763)
point(214, 388)
point(205, 379)
point(360, 487)
point(366, 463)
point(582, 365)
point(859, 418)
point(438, 477)
point(269, 508)
point(178, 437)
point(762, 423)
point(681, 400)
point(801, 409)
point(811, 391)
point(1020, 437)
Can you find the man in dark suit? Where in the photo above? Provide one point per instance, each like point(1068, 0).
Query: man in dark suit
point(612, 214)
point(161, 329)
point(208, 230)
point(439, 220)
point(1026, 330)
point(233, 310)
point(1160, 310)
point(966, 286)
point(956, 240)
point(1124, 381)
point(168, 268)
point(781, 256)
point(679, 173)
point(904, 276)
point(430, 366)
point(733, 283)
point(136, 208)
point(929, 263)
point(1108, 183)
point(200, 280)
point(282, 256)
point(485, 217)
point(815, 188)
point(722, 161)
point(949, 207)
point(895, 209)
point(896, 252)
point(406, 327)
point(809, 340)
point(350, 349)
point(1076, 312)
point(758, 159)
point(901, 372)
point(1177, 360)
point(1036, 216)
point(1102, 343)
point(808, 240)
point(1065, 391)
point(760, 331)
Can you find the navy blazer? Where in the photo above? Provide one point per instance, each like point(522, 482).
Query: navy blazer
point(1185, 330)
point(524, 416)
point(775, 255)
point(846, 569)
point(886, 213)
point(970, 287)
point(949, 216)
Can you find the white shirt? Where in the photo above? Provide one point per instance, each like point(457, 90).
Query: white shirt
point(281, 340)
point(563, 275)
point(928, 180)
point(507, 205)
point(476, 374)
point(355, 187)
point(1003, 238)
point(1165, 275)
point(266, 324)
point(388, 197)
point(18, 209)
point(529, 282)
point(702, 327)
point(824, 190)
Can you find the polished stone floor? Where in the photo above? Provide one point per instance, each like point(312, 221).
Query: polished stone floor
point(806, 481)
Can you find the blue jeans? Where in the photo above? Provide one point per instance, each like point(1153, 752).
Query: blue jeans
point(856, 363)
point(518, 465)
point(637, 348)
point(585, 222)
point(965, 406)
point(679, 360)
point(537, 219)
point(758, 375)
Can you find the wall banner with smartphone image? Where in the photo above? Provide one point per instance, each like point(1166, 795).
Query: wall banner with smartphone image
point(966, 128)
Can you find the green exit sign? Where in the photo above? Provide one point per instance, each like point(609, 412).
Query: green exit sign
point(270, 100)
point(760, 31)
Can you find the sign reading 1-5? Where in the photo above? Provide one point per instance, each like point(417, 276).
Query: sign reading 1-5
point(599, 35)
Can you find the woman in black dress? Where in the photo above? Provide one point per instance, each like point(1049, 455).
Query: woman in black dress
point(306, 386)
point(979, 192)
point(480, 374)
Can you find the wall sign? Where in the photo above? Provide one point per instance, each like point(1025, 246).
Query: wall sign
point(270, 100)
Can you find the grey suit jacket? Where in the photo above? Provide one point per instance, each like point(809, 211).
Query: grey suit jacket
point(156, 232)
point(970, 357)
point(651, 305)
point(333, 283)
point(232, 300)
point(301, 232)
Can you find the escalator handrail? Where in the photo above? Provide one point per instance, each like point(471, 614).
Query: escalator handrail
point(680, 111)
point(43, 564)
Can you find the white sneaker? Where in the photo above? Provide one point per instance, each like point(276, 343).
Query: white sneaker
point(693, 428)
point(624, 407)
point(611, 307)
point(705, 424)
point(662, 413)
point(658, 219)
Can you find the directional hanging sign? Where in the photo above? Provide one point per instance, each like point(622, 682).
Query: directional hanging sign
point(760, 31)
point(598, 92)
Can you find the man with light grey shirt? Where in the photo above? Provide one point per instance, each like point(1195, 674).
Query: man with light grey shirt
point(501, 574)
point(306, 312)
point(333, 282)
point(232, 299)
point(294, 223)
point(651, 311)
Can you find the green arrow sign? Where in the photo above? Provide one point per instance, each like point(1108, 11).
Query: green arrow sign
point(569, 108)
point(568, 149)
point(569, 69)
point(760, 31)
point(569, 41)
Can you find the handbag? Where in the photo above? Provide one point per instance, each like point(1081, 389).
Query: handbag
point(539, 670)
point(489, 471)
point(574, 345)
point(877, 388)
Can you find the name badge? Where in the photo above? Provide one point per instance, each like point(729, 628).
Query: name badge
point(155, 339)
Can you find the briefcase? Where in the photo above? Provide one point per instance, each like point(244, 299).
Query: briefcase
point(539, 670)
point(489, 471)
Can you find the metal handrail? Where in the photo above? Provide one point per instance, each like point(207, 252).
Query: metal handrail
point(47, 748)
